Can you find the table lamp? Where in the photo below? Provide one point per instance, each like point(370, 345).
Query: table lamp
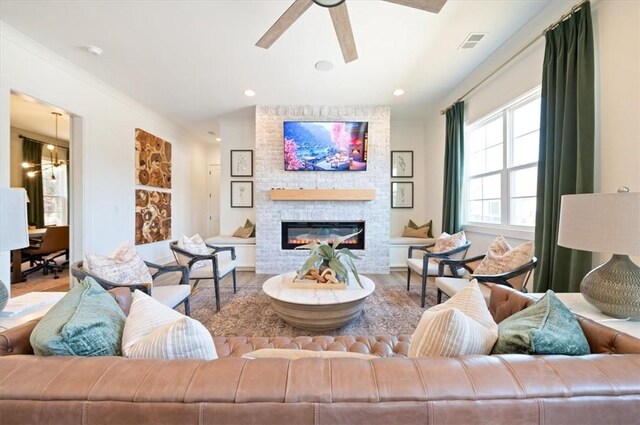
point(14, 233)
point(610, 223)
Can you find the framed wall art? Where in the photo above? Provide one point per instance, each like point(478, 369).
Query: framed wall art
point(401, 194)
point(153, 160)
point(241, 163)
point(401, 164)
point(153, 216)
point(241, 194)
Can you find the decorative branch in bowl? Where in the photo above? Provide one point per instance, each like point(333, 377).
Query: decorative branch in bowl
point(323, 256)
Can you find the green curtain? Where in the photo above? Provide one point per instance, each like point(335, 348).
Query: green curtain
point(32, 153)
point(453, 170)
point(566, 155)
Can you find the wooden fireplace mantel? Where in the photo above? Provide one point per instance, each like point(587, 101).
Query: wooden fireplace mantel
point(323, 194)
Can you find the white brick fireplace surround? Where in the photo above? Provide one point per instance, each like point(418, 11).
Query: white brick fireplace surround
point(270, 174)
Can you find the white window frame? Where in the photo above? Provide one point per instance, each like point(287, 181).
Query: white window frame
point(504, 227)
point(45, 173)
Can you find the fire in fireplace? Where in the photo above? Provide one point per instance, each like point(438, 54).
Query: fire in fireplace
point(297, 233)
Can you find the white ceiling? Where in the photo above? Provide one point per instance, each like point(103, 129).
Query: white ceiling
point(191, 60)
point(32, 115)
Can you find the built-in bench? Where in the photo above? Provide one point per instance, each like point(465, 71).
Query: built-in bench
point(399, 249)
point(245, 249)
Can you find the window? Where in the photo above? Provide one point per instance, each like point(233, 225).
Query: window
point(501, 162)
point(54, 190)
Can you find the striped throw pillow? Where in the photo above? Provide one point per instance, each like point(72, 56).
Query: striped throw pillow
point(153, 330)
point(460, 326)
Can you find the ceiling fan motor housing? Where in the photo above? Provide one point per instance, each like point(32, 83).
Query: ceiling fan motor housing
point(328, 3)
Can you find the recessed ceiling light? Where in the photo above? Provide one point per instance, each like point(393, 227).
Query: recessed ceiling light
point(249, 93)
point(94, 50)
point(324, 66)
point(398, 92)
point(218, 139)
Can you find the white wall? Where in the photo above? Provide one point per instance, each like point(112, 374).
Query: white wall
point(410, 136)
point(108, 120)
point(236, 135)
point(617, 44)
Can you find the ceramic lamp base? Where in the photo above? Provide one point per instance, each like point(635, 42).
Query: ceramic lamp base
point(4, 296)
point(614, 288)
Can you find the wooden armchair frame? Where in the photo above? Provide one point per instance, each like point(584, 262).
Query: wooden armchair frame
point(215, 269)
point(425, 263)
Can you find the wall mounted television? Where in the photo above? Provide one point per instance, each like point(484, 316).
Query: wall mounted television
point(325, 145)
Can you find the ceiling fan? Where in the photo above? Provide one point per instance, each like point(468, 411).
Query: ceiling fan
point(339, 17)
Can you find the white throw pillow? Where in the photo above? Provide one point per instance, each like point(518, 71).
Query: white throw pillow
point(447, 242)
point(153, 330)
point(195, 245)
point(501, 258)
point(124, 266)
point(292, 354)
point(460, 326)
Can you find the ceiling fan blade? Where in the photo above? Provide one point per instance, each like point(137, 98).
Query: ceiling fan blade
point(342, 25)
point(284, 22)
point(433, 6)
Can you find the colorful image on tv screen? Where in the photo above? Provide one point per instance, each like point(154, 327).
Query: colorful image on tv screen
point(325, 146)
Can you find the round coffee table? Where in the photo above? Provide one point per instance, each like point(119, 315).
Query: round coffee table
point(317, 309)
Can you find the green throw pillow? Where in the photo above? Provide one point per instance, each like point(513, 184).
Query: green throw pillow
point(87, 321)
point(415, 226)
point(546, 327)
point(248, 224)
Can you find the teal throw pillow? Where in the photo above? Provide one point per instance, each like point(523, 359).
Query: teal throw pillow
point(87, 321)
point(546, 327)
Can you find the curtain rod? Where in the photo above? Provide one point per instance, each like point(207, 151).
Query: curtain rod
point(519, 52)
point(41, 142)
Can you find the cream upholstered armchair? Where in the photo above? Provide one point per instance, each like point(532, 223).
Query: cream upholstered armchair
point(222, 261)
point(169, 295)
point(428, 264)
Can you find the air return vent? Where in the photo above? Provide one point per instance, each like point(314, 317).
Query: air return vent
point(471, 40)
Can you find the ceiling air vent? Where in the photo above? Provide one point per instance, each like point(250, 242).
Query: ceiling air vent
point(471, 41)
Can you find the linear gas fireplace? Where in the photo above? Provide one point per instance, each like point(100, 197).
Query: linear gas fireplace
point(296, 233)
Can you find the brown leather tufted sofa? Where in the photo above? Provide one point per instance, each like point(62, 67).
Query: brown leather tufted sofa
point(601, 388)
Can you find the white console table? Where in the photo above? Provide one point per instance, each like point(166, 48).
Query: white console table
point(578, 305)
point(46, 301)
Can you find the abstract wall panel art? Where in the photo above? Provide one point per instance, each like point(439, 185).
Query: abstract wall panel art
point(153, 216)
point(153, 160)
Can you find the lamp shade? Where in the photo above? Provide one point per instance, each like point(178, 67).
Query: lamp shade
point(14, 233)
point(601, 222)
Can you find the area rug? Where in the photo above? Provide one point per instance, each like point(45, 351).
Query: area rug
point(390, 310)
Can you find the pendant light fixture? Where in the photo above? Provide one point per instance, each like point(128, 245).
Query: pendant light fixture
point(34, 169)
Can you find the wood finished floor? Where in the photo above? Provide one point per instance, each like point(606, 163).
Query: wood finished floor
point(37, 282)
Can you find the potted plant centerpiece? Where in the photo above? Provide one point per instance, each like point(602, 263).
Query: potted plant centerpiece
point(329, 262)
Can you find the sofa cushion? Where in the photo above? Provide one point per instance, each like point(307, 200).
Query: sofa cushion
point(243, 232)
point(460, 326)
point(87, 321)
point(194, 245)
point(249, 224)
point(230, 240)
point(293, 354)
point(153, 330)
point(546, 327)
point(428, 224)
point(447, 242)
point(408, 232)
point(401, 240)
point(501, 258)
point(124, 266)
point(416, 264)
